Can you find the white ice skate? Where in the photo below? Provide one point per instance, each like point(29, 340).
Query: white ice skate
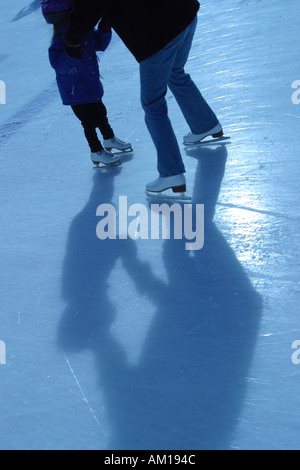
point(217, 134)
point(159, 188)
point(117, 144)
point(104, 158)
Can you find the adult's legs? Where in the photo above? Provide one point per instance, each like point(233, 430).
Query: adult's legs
point(154, 74)
point(166, 68)
point(198, 114)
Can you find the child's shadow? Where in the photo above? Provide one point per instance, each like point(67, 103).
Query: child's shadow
point(188, 388)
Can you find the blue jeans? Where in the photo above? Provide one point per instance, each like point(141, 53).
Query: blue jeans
point(166, 69)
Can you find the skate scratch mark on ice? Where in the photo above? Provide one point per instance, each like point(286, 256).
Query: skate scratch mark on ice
point(28, 112)
point(38, 301)
point(133, 132)
point(259, 211)
point(295, 290)
point(291, 115)
point(85, 400)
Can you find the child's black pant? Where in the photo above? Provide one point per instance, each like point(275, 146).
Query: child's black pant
point(93, 116)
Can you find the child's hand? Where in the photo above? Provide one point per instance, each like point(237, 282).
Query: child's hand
point(104, 25)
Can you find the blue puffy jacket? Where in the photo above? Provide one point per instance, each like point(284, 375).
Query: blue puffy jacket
point(78, 80)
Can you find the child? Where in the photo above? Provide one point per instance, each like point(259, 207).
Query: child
point(78, 80)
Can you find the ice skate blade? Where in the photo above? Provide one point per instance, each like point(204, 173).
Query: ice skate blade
point(219, 140)
point(118, 151)
point(106, 165)
point(164, 196)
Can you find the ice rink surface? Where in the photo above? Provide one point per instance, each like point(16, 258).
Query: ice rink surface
point(124, 344)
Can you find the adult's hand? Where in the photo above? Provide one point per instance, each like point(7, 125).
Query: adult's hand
point(84, 18)
point(104, 25)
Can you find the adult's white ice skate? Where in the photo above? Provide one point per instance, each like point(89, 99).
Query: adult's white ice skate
point(159, 188)
point(104, 159)
point(117, 144)
point(217, 134)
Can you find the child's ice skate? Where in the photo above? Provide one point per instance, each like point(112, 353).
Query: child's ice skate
point(105, 159)
point(217, 134)
point(116, 144)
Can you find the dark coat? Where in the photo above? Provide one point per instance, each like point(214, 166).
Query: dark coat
point(78, 80)
point(145, 26)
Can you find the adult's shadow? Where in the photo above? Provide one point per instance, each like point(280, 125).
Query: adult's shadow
point(187, 390)
point(199, 349)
